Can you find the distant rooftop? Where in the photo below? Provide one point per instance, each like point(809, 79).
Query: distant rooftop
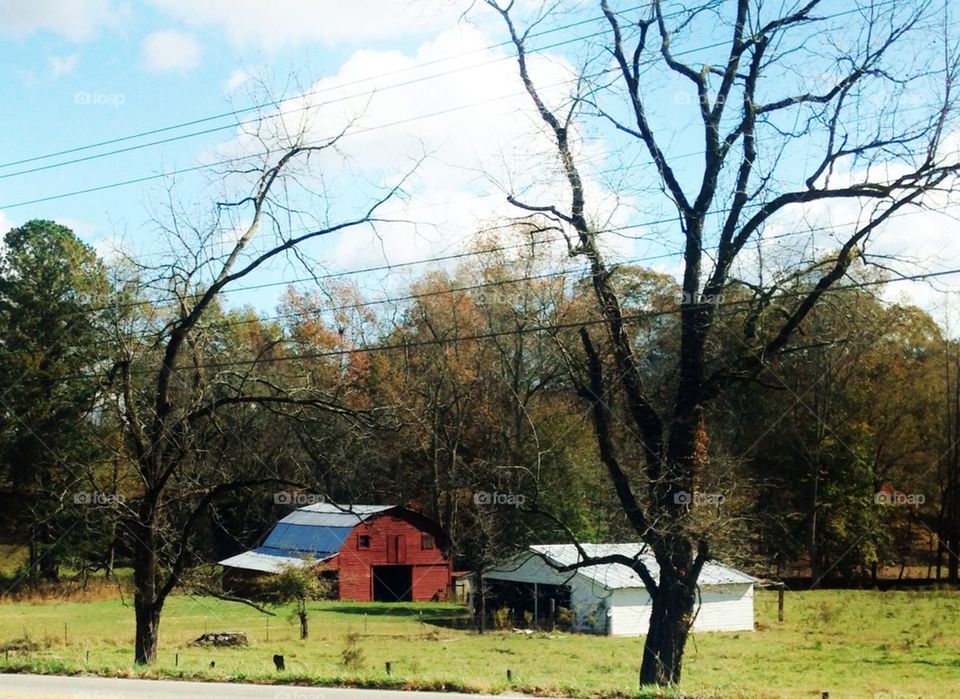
point(616, 575)
point(306, 536)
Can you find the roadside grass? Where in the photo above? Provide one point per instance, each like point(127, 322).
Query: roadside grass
point(850, 643)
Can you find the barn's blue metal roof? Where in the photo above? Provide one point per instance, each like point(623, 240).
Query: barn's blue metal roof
point(305, 536)
point(328, 515)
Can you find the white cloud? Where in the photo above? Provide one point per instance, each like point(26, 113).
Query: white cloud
point(62, 65)
point(171, 50)
point(75, 20)
point(236, 80)
point(469, 115)
point(111, 249)
point(272, 25)
point(914, 241)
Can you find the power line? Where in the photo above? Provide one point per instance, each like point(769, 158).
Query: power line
point(282, 113)
point(611, 170)
point(452, 257)
point(416, 297)
point(351, 83)
point(515, 331)
point(140, 180)
point(267, 152)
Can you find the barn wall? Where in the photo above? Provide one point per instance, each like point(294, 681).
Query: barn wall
point(431, 569)
point(723, 608)
point(630, 615)
point(726, 608)
point(431, 582)
point(590, 602)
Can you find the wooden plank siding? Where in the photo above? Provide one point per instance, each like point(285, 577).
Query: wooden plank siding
point(392, 540)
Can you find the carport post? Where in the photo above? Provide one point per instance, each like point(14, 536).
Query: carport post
point(536, 606)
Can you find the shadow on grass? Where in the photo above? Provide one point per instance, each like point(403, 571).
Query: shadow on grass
point(446, 615)
point(408, 610)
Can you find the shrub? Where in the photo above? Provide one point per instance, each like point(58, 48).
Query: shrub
point(352, 657)
point(564, 618)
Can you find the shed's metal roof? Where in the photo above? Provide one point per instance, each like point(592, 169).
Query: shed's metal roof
point(615, 576)
point(268, 560)
point(305, 536)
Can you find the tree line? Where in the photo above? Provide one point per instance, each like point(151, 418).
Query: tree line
point(835, 461)
point(764, 404)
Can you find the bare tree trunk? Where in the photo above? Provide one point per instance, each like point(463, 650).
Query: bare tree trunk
point(949, 530)
point(671, 617)
point(32, 556)
point(482, 603)
point(111, 555)
point(939, 574)
point(146, 605)
point(813, 550)
point(302, 613)
point(147, 631)
point(667, 439)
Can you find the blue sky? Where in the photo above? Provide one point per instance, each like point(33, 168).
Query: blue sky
point(78, 73)
point(417, 79)
point(83, 72)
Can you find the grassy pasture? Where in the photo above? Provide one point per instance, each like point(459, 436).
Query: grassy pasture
point(850, 643)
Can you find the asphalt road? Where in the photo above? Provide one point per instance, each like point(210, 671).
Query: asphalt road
point(50, 686)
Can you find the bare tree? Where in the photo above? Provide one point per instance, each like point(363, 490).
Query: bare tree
point(172, 410)
point(783, 119)
point(948, 516)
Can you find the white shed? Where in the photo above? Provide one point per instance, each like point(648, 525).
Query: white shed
point(611, 598)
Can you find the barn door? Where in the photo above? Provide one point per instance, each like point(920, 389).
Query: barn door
point(396, 549)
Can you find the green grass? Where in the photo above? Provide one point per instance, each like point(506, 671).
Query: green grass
point(850, 643)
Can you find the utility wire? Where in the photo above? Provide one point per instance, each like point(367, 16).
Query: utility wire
point(140, 180)
point(266, 153)
point(496, 334)
point(358, 81)
point(157, 301)
point(281, 113)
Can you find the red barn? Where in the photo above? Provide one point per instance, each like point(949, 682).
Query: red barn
point(380, 553)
